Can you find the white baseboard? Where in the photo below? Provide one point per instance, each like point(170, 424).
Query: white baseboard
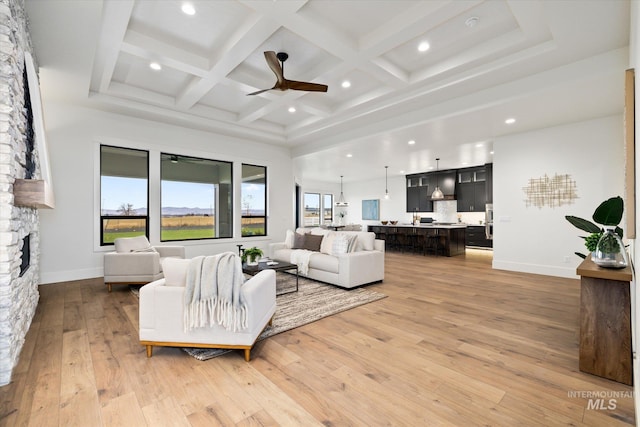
point(547, 270)
point(70, 275)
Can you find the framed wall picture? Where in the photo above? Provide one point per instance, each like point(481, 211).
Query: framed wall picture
point(371, 209)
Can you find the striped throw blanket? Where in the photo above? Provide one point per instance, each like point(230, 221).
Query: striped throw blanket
point(213, 293)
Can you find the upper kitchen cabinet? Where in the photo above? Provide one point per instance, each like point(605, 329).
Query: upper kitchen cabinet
point(419, 193)
point(474, 188)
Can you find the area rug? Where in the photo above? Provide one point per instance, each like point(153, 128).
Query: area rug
point(312, 302)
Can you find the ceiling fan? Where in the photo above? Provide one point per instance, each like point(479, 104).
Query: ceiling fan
point(276, 63)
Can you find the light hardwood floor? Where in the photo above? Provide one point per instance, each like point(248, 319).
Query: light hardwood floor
point(454, 344)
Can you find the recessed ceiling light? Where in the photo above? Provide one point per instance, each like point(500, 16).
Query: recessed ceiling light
point(490, 152)
point(401, 171)
point(464, 163)
point(471, 22)
point(479, 144)
point(155, 66)
point(188, 9)
point(346, 84)
point(292, 109)
point(424, 46)
point(349, 155)
point(510, 121)
point(411, 142)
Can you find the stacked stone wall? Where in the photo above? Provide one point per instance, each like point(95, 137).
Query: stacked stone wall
point(18, 294)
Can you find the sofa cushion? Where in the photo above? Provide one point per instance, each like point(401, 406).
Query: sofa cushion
point(131, 244)
point(175, 271)
point(282, 255)
point(312, 242)
point(324, 262)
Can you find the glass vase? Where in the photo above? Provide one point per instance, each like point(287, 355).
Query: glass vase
point(610, 251)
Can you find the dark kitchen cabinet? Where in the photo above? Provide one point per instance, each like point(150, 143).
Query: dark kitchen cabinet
point(476, 236)
point(471, 197)
point(474, 188)
point(419, 194)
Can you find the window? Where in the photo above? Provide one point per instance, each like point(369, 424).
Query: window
point(311, 209)
point(196, 198)
point(124, 189)
point(254, 200)
point(327, 208)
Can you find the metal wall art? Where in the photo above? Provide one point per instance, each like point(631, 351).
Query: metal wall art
point(553, 192)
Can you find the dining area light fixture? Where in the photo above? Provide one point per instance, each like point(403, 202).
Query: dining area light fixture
point(386, 182)
point(437, 193)
point(341, 202)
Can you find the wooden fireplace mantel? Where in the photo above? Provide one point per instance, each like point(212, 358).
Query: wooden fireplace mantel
point(33, 193)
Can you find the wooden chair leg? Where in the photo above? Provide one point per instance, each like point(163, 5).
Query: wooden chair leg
point(109, 287)
point(149, 350)
point(247, 354)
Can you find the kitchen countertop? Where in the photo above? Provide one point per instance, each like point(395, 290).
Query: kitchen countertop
point(431, 225)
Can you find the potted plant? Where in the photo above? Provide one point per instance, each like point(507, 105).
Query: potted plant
point(251, 255)
point(604, 243)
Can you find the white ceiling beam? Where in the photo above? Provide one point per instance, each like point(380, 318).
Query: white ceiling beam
point(115, 19)
point(241, 44)
point(248, 37)
point(152, 49)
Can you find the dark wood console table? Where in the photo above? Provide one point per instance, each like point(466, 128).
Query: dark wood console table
point(605, 322)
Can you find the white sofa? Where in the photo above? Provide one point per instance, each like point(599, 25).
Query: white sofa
point(136, 262)
point(162, 308)
point(365, 264)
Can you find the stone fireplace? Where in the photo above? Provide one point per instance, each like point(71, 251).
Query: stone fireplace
point(19, 225)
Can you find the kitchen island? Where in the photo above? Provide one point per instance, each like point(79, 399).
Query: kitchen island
point(438, 239)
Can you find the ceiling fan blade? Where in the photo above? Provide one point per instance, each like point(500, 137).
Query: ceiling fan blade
point(311, 87)
point(258, 92)
point(275, 66)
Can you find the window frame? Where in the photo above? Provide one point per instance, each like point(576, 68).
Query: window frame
point(324, 208)
point(304, 209)
point(103, 217)
point(264, 217)
point(217, 192)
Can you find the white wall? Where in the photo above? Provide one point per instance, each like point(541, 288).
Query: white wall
point(540, 240)
point(70, 232)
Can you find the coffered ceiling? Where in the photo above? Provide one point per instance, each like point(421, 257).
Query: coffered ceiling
point(542, 62)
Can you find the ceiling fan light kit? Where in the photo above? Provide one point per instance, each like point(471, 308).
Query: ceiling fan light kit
point(276, 63)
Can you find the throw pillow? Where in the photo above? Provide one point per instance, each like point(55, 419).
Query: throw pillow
point(128, 244)
point(147, 249)
point(312, 242)
point(298, 241)
point(175, 271)
point(288, 240)
point(327, 243)
point(340, 245)
point(352, 243)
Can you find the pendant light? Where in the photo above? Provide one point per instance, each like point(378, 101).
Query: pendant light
point(386, 182)
point(341, 202)
point(437, 194)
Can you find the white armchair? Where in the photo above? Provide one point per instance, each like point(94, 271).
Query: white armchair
point(136, 262)
point(162, 313)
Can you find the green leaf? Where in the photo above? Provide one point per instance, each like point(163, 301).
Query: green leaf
point(609, 212)
point(583, 224)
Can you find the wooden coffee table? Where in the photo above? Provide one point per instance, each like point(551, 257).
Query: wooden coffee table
point(282, 266)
